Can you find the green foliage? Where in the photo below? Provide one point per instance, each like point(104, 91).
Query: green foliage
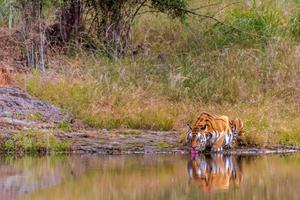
point(9, 146)
point(291, 137)
point(65, 126)
point(294, 26)
point(34, 141)
point(174, 8)
point(248, 27)
point(7, 11)
point(297, 2)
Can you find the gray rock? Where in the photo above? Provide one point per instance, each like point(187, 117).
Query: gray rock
point(19, 109)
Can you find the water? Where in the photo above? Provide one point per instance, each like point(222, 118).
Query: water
point(150, 177)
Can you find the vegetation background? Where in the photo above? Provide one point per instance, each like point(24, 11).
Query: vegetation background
point(240, 59)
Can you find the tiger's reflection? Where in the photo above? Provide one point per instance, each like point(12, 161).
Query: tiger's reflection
point(215, 172)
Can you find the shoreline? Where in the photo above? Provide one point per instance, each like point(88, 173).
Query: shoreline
point(122, 142)
point(234, 152)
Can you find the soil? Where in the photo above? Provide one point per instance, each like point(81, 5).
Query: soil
point(126, 141)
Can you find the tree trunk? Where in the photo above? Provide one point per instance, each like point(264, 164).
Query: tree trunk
point(114, 30)
point(70, 24)
point(33, 33)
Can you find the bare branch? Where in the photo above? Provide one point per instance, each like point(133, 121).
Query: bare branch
point(226, 6)
point(137, 10)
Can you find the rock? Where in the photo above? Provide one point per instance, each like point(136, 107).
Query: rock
point(101, 142)
point(19, 109)
point(163, 57)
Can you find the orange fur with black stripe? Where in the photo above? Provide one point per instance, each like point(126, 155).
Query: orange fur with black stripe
point(212, 131)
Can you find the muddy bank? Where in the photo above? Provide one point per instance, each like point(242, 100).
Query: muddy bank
point(124, 141)
point(147, 142)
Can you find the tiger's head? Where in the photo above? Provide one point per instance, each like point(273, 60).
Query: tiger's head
point(197, 135)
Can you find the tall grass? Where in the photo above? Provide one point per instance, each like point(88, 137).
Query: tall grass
point(295, 26)
point(248, 27)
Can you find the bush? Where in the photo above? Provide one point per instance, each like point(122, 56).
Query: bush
point(248, 28)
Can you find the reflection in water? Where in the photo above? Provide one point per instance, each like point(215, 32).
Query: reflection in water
point(215, 172)
point(150, 177)
point(21, 177)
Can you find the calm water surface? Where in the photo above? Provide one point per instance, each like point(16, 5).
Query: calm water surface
point(150, 177)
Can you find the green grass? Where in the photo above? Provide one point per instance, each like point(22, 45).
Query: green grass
point(65, 126)
point(164, 145)
point(291, 137)
point(34, 141)
point(249, 27)
point(294, 26)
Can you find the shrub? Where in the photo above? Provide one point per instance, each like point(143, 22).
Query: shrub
point(248, 27)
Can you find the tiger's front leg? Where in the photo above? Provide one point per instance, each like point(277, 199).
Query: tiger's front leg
point(217, 146)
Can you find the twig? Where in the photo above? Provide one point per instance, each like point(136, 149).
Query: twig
point(137, 10)
point(209, 17)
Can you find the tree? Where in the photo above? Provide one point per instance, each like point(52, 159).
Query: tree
point(69, 23)
point(113, 19)
point(110, 20)
point(32, 31)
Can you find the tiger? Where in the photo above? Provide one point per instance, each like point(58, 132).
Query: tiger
point(215, 172)
point(210, 131)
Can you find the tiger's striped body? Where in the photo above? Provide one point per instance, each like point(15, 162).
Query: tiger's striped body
point(215, 132)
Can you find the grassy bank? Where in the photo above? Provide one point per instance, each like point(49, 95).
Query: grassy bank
point(33, 142)
point(248, 68)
